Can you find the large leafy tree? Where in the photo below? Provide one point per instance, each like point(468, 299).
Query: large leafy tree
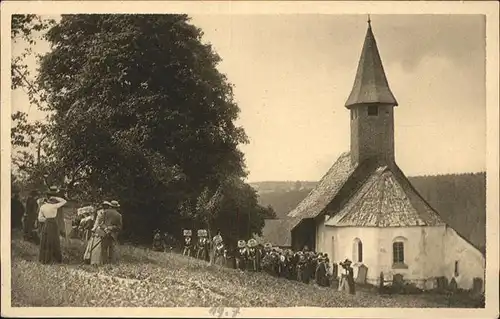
point(141, 113)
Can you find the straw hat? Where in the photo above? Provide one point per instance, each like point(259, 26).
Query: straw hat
point(252, 243)
point(53, 191)
point(106, 203)
point(241, 243)
point(114, 203)
point(202, 233)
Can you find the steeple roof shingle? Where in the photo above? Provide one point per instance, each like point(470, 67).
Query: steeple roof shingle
point(370, 85)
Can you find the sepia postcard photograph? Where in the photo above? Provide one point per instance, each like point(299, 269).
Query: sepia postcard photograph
point(250, 159)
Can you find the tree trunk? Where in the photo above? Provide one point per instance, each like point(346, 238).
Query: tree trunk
point(212, 247)
point(39, 146)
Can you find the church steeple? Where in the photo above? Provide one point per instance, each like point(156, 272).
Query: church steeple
point(371, 104)
point(370, 84)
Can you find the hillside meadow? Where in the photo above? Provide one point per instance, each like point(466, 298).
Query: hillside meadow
point(153, 279)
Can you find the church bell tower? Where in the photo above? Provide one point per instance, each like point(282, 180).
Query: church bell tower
point(371, 104)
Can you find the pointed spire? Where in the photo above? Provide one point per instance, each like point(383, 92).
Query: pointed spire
point(370, 84)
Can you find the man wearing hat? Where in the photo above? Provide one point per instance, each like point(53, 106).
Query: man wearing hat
point(50, 245)
point(30, 216)
point(107, 226)
point(115, 205)
point(16, 210)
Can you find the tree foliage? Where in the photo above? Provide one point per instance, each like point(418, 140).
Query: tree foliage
point(30, 140)
point(26, 28)
point(141, 114)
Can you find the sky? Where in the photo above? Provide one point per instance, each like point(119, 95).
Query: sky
point(293, 73)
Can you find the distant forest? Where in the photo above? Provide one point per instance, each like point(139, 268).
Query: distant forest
point(460, 199)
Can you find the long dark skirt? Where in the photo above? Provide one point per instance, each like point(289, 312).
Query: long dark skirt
point(350, 281)
point(321, 276)
point(240, 263)
point(50, 246)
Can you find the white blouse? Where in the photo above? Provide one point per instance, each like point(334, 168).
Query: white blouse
point(49, 210)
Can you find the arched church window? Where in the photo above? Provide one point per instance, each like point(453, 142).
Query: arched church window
point(399, 257)
point(372, 110)
point(357, 251)
point(398, 252)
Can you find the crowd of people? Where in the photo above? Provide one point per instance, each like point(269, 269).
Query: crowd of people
point(42, 222)
point(305, 266)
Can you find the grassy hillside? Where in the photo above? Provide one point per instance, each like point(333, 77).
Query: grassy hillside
point(151, 279)
point(459, 198)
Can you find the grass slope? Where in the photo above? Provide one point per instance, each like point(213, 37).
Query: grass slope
point(150, 279)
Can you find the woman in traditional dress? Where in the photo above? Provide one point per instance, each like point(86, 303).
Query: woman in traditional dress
point(218, 249)
point(288, 264)
point(93, 238)
point(187, 242)
point(344, 284)
point(252, 255)
point(321, 274)
point(50, 245)
point(157, 242)
point(201, 247)
point(241, 255)
point(350, 278)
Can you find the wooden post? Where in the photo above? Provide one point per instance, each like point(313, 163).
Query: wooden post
point(211, 246)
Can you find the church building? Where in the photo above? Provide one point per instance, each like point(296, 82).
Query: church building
point(365, 208)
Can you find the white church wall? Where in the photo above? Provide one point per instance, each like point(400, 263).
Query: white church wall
point(429, 252)
point(471, 262)
point(432, 251)
point(321, 245)
point(423, 253)
point(338, 243)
